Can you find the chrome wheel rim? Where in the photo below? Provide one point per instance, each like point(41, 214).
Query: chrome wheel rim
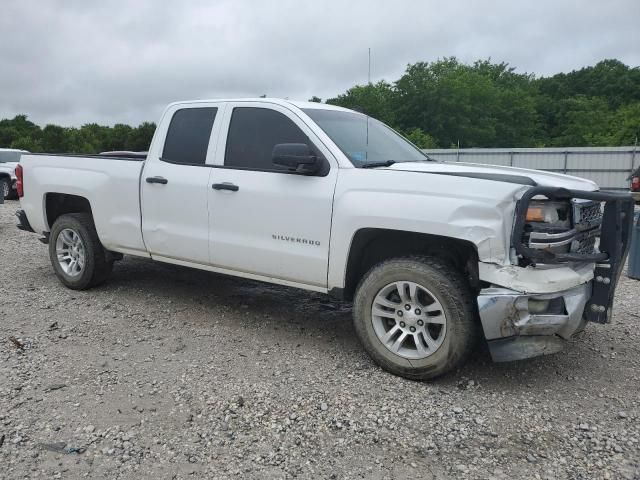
point(70, 252)
point(5, 189)
point(408, 320)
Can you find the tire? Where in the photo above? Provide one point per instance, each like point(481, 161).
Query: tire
point(439, 293)
point(96, 266)
point(5, 188)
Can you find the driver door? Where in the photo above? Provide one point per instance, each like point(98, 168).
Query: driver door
point(267, 221)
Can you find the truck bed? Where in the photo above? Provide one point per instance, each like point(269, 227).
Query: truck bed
point(110, 183)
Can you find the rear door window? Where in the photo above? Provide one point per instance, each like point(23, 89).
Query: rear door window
point(188, 136)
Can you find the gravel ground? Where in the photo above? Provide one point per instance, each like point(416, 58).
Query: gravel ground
point(166, 372)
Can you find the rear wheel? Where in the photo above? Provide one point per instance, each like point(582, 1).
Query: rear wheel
point(78, 258)
point(5, 188)
point(415, 317)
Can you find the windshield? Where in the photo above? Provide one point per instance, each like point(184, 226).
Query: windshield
point(363, 139)
point(9, 157)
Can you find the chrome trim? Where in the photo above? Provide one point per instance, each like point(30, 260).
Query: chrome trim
point(551, 239)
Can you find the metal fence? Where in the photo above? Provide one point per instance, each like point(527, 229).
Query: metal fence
point(609, 167)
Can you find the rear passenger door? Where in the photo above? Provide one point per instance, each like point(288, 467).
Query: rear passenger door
point(269, 222)
point(174, 185)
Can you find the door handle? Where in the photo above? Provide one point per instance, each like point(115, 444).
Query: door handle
point(225, 186)
point(160, 180)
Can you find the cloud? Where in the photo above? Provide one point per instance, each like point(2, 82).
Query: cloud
point(76, 62)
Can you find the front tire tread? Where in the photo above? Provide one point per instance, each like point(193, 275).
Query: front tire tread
point(454, 293)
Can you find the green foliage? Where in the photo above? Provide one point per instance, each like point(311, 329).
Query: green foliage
point(376, 100)
point(626, 124)
point(490, 105)
point(420, 139)
point(583, 121)
point(90, 138)
point(610, 79)
point(443, 103)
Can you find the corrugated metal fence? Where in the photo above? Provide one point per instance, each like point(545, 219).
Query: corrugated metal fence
point(609, 167)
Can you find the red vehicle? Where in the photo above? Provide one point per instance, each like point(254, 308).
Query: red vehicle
point(635, 185)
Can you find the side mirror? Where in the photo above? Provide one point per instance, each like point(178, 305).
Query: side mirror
point(296, 157)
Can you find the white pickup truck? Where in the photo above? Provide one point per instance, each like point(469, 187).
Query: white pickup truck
point(9, 158)
point(326, 199)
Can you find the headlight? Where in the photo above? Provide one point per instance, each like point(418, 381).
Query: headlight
point(556, 214)
point(549, 226)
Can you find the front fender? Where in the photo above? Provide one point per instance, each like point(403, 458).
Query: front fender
point(474, 210)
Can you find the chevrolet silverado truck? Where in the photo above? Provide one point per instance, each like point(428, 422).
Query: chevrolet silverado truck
point(433, 255)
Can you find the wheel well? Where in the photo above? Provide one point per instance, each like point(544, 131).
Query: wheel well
point(5, 175)
point(371, 246)
point(57, 204)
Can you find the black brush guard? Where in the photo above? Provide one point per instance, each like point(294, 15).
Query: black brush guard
point(615, 237)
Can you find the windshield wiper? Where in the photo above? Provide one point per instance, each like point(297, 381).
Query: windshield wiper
point(386, 163)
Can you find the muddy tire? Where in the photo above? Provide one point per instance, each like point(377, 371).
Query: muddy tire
point(416, 317)
point(5, 188)
point(78, 258)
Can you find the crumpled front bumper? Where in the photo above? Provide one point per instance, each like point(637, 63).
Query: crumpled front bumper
point(610, 255)
point(514, 323)
point(513, 332)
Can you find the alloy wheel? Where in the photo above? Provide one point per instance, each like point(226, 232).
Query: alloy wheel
point(70, 251)
point(408, 320)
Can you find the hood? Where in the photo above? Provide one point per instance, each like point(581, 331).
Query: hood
point(523, 176)
point(9, 167)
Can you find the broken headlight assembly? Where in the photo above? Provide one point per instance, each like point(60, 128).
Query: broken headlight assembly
point(549, 226)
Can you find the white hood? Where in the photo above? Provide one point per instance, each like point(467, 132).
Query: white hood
point(542, 178)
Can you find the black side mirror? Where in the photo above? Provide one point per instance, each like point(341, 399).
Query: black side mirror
point(296, 157)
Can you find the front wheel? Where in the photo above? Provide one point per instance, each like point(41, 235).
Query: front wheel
point(78, 258)
point(415, 317)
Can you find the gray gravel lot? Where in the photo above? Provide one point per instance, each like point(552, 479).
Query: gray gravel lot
point(167, 372)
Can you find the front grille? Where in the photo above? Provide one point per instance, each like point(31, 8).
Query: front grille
point(587, 244)
point(587, 219)
point(586, 214)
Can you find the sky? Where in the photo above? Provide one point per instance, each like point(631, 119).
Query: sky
point(76, 61)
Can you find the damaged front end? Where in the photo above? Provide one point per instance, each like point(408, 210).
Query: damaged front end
point(558, 236)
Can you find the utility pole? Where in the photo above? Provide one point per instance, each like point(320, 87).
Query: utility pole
point(369, 74)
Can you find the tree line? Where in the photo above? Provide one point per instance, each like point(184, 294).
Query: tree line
point(19, 132)
point(445, 103)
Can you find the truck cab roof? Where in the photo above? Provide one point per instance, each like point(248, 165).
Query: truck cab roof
point(271, 100)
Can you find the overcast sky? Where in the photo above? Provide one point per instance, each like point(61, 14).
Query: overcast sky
point(75, 62)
